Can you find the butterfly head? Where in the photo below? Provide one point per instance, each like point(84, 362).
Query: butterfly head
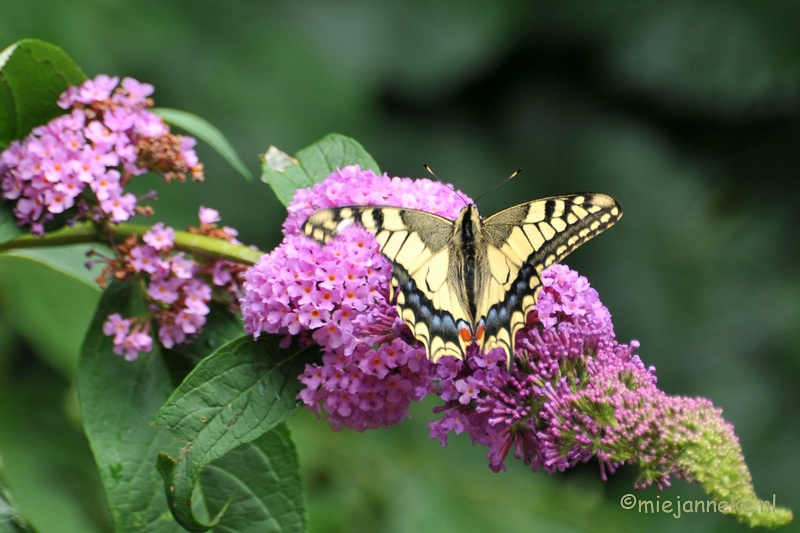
point(467, 226)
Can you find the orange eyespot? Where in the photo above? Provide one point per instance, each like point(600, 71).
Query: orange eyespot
point(465, 334)
point(479, 333)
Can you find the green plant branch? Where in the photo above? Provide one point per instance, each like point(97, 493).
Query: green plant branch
point(87, 232)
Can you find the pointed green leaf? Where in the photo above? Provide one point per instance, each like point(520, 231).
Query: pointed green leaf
point(253, 489)
point(235, 395)
point(34, 74)
point(204, 130)
point(286, 174)
point(8, 112)
point(119, 400)
point(231, 398)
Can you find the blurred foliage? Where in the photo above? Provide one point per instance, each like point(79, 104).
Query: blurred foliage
point(686, 112)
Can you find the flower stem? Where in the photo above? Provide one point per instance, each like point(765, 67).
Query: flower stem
point(87, 232)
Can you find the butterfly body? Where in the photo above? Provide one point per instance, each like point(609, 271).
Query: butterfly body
point(472, 279)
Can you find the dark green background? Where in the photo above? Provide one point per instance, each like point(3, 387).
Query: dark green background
point(686, 112)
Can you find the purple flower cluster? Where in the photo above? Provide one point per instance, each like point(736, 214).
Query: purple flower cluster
point(574, 393)
point(107, 137)
point(337, 296)
point(178, 287)
point(568, 337)
point(128, 342)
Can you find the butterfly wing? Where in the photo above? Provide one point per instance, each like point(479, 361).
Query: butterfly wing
point(426, 270)
point(521, 242)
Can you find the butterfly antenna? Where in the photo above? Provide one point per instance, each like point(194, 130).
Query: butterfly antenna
point(512, 176)
point(449, 186)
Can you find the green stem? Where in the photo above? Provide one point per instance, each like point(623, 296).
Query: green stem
point(87, 232)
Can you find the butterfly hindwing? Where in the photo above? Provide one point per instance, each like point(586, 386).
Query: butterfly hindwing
point(521, 242)
point(425, 271)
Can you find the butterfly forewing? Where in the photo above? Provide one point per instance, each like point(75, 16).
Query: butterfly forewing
point(424, 270)
point(524, 240)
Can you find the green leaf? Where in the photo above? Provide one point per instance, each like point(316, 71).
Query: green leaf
point(235, 395)
point(253, 489)
point(8, 112)
point(286, 174)
point(204, 130)
point(49, 297)
point(232, 397)
point(119, 400)
point(11, 520)
point(34, 74)
point(8, 222)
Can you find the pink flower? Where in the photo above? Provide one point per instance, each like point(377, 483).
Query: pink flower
point(197, 295)
point(468, 388)
point(119, 120)
point(170, 335)
point(120, 207)
point(187, 151)
point(221, 274)
point(100, 135)
point(57, 201)
point(190, 323)
point(143, 259)
point(208, 215)
point(137, 341)
point(183, 267)
point(159, 236)
point(98, 89)
point(70, 185)
point(165, 290)
point(106, 185)
point(136, 91)
point(117, 327)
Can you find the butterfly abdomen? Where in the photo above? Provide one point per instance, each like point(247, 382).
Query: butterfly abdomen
point(466, 244)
